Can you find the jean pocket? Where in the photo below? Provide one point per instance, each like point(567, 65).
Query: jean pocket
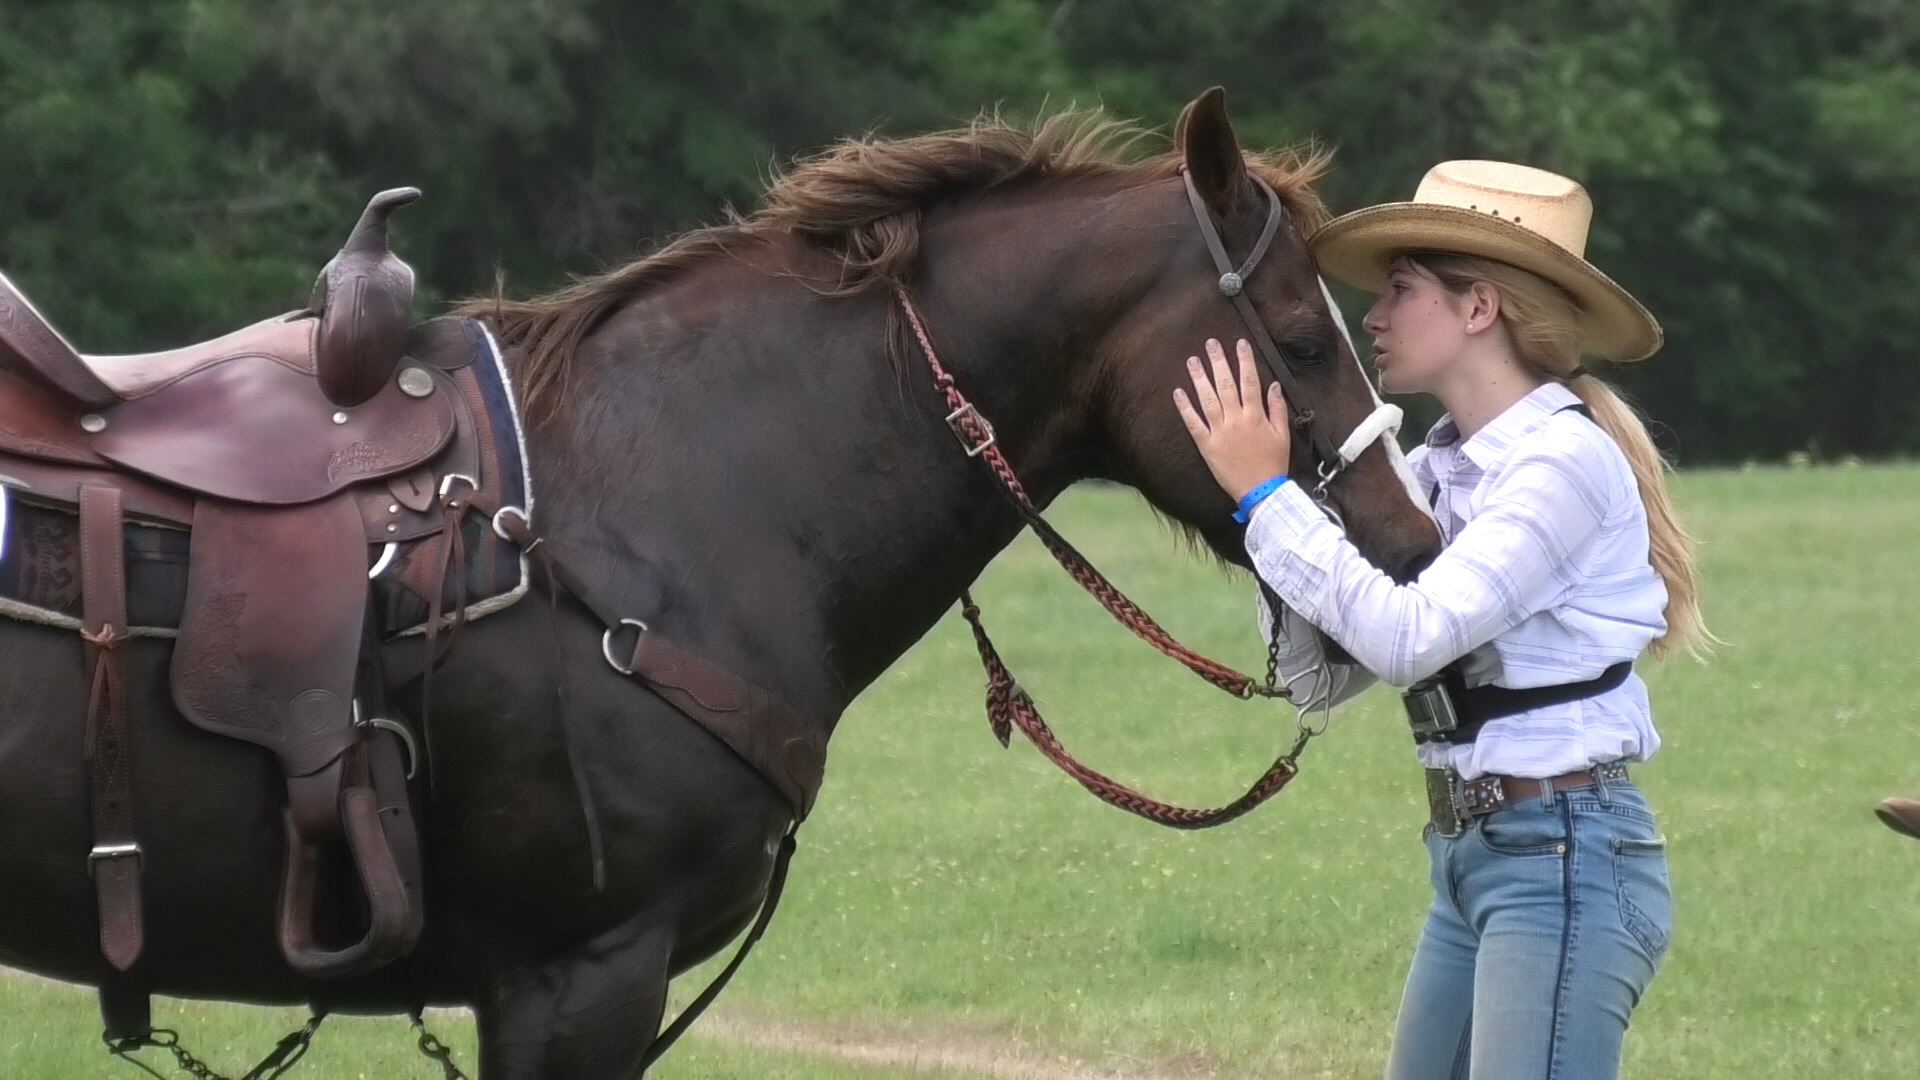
point(1646, 896)
point(1523, 832)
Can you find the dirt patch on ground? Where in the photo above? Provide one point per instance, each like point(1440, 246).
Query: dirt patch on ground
point(987, 1054)
point(981, 1054)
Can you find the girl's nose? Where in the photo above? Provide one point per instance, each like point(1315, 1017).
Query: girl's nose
point(1376, 321)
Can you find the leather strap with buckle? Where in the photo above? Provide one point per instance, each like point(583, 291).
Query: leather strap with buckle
point(1453, 802)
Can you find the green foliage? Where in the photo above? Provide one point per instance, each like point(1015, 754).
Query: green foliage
point(174, 167)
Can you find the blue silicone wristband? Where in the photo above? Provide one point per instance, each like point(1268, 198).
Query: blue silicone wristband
point(1259, 493)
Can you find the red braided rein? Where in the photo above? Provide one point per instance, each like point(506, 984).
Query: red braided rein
point(1009, 706)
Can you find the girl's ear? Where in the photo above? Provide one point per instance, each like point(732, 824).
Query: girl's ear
point(1483, 306)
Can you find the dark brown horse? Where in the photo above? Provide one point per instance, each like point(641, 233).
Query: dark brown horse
point(735, 442)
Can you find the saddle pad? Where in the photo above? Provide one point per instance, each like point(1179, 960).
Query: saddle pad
point(40, 544)
point(497, 574)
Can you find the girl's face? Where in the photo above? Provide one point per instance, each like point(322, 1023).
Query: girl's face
point(1419, 329)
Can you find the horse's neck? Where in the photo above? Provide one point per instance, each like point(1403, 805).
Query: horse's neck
point(767, 486)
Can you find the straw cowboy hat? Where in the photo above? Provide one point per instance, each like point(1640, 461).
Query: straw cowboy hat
point(1529, 218)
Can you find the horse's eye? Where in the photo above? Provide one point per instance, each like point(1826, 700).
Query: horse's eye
point(1305, 354)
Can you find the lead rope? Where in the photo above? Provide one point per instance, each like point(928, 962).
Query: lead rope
point(1009, 706)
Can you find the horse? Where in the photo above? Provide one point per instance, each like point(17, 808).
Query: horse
point(733, 440)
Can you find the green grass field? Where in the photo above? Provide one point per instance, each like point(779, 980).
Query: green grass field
point(961, 911)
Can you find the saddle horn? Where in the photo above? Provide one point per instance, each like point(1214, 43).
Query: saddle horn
point(364, 298)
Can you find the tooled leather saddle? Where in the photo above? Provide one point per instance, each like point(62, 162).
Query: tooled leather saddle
point(296, 455)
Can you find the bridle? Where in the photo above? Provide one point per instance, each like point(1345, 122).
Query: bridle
point(1008, 705)
point(1332, 460)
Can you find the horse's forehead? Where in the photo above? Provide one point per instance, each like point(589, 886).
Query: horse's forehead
point(1298, 308)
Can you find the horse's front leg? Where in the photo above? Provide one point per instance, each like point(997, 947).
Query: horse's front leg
point(588, 1014)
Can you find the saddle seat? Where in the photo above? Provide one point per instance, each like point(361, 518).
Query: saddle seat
point(287, 339)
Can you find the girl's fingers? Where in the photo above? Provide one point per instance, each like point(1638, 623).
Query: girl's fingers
point(1223, 375)
point(1203, 394)
point(1249, 375)
point(1195, 426)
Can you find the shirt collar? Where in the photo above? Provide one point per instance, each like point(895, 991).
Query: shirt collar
point(1491, 443)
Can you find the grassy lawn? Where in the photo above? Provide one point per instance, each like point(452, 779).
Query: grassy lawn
point(949, 892)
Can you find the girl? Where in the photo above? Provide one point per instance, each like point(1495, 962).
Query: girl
point(1564, 562)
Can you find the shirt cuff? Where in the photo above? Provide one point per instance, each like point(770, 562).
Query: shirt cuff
point(1284, 534)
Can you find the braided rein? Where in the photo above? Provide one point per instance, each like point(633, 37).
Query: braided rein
point(1008, 704)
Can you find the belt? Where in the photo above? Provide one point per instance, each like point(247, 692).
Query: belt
point(1453, 802)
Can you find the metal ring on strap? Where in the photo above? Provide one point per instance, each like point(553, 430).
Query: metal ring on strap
point(516, 512)
point(405, 736)
point(606, 644)
point(400, 731)
point(385, 560)
point(446, 483)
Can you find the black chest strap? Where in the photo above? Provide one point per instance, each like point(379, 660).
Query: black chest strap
point(1444, 709)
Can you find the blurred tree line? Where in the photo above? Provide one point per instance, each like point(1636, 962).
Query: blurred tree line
point(172, 168)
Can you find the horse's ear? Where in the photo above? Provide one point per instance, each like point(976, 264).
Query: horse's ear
point(1206, 142)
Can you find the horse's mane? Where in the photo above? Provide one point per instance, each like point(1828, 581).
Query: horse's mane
point(860, 200)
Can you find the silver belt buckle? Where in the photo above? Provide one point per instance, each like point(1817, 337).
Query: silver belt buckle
point(1443, 803)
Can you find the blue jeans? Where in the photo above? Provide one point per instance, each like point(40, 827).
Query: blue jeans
point(1549, 919)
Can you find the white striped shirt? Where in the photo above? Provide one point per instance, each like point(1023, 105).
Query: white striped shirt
point(1545, 579)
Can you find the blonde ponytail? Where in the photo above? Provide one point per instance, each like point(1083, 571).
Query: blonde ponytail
point(1672, 547)
point(1540, 319)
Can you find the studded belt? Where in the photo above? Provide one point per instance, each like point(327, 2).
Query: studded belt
point(1453, 802)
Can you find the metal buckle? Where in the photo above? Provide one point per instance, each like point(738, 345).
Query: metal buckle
point(1482, 795)
point(104, 852)
point(1430, 711)
point(1443, 804)
point(953, 421)
point(606, 644)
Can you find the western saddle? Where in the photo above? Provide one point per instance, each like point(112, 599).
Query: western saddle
point(287, 450)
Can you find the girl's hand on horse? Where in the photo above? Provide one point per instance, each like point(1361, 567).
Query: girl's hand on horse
point(1244, 440)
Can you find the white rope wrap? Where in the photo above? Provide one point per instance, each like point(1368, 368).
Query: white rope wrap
point(1395, 458)
point(1382, 422)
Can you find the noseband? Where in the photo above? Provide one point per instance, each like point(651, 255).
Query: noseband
point(1233, 285)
